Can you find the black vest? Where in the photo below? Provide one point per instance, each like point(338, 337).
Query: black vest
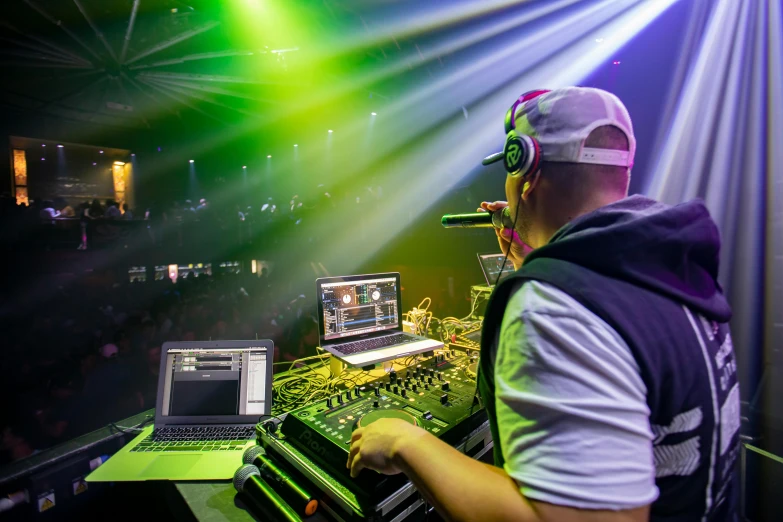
point(688, 366)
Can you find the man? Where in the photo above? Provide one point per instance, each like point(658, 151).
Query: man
point(48, 213)
point(607, 369)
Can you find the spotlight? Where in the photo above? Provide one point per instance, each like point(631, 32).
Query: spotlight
point(133, 155)
point(99, 152)
point(269, 156)
point(61, 146)
point(244, 166)
point(296, 144)
point(330, 131)
point(191, 161)
point(616, 62)
point(43, 145)
point(373, 114)
point(119, 163)
point(599, 40)
point(43, 159)
point(94, 164)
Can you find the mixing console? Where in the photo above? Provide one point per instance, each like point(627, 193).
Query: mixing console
point(437, 395)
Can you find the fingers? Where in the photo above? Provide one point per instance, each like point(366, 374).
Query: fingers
point(492, 206)
point(356, 435)
point(352, 454)
point(356, 466)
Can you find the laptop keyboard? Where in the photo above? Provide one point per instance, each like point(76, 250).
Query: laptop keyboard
point(375, 343)
point(197, 438)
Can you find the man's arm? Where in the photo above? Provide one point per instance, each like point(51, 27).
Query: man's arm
point(460, 488)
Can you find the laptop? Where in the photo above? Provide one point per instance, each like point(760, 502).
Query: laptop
point(360, 320)
point(491, 265)
point(210, 397)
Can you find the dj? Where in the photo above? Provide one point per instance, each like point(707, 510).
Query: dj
point(607, 368)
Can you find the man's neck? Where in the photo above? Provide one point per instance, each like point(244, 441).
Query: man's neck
point(559, 221)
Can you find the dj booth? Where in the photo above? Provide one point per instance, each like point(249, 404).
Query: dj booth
point(285, 440)
point(435, 390)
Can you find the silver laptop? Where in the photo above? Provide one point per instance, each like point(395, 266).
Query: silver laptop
point(360, 319)
point(491, 265)
point(210, 397)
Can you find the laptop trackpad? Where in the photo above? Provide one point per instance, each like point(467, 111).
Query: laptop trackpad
point(166, 466)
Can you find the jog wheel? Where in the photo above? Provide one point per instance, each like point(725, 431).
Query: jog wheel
point(472, 369)
point(375, 415)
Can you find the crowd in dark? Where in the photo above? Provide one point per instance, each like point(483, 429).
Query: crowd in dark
point(59, 223)
point(90, 355)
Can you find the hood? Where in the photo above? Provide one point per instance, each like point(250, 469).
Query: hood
point(671, 250)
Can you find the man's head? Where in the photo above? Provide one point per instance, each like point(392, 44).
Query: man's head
point(587, 148)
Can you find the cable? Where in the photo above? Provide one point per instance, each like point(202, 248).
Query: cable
point(131, 429)
point(511, 242)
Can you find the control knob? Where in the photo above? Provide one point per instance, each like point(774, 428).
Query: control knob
point(445, 386)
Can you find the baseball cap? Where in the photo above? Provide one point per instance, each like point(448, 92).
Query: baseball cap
point(562, 119)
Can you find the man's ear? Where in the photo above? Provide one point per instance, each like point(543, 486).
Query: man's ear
point(529, 184)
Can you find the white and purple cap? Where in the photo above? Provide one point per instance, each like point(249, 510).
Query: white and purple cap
point(562, 119)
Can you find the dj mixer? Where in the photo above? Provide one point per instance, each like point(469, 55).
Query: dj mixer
point(438, 395)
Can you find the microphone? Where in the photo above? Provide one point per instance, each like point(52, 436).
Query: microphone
point(500, 218)
point(248, 481)
point(281, 482)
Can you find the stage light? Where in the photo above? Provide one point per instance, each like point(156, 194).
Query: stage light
point(43, 145)
point(373, 114)
point(61, 146)
point(268, 157)
point(616, 62)
point(133, 155)
point(94, 164)
point(330, 131)
point(296, 145)
point(120, 163)
point(191, 161)
point(99, 152)
point(244, 166)
point(43, 159)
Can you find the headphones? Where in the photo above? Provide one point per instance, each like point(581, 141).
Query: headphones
point(521, 153)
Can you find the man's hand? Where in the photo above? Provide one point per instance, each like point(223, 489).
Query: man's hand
point(508, 238)
point(376, 445)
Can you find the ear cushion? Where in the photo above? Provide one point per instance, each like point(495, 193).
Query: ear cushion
point(521, 154)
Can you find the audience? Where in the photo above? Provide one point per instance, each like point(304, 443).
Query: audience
point(91, 354)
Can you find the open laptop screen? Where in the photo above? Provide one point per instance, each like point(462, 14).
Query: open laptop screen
point(490, 265)
point(358, 305)
point(212, 381)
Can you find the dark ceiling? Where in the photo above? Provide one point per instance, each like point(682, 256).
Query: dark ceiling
point(135, 63)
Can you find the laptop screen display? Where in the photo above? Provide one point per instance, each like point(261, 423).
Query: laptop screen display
point(215, 382)
point(365, 305)
point(490, 265)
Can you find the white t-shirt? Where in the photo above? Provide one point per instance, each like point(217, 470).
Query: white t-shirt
point(571, 405)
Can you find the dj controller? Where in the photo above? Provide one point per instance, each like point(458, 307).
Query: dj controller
point(439, 395)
